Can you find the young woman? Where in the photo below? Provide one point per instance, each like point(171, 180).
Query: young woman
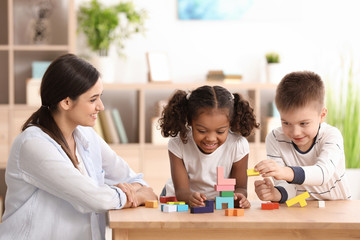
point(61, 176)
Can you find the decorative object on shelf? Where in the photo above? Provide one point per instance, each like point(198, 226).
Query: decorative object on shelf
point(215, 75)
point(33, 92)
point(159, 67)
point(41, 10)
point(274, 72)
point(39, 68)
point(107, 25)
point(343, 104)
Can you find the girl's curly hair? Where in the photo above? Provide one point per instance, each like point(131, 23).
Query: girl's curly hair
point(184, 107)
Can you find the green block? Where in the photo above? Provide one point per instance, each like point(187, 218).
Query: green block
point(227, 193)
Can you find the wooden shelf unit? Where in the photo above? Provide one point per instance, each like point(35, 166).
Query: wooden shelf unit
point(135, 102)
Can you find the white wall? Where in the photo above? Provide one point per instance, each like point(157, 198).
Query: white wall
point(312, 41)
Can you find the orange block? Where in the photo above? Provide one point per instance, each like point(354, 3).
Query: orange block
point(234, 212)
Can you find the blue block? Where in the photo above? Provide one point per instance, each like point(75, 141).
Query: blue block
point(39, 68)
point(209, 207)
point(183, 208)
point(221, 200)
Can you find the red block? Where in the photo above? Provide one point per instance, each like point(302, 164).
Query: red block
point(267, 206)
point(168, 199)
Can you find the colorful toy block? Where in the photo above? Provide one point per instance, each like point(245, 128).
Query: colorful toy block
point(321, 204)
point(234, 212)
point(269, 206)
point(169, 208)
point(252, 172)
point(220, 188)
point(164, 199)
point(176, 203)
point(226, 193)
point(221, 200)
point(182, 208)
point(221, 180)
point(151, 204)
point(298, 199)
point(209, 207)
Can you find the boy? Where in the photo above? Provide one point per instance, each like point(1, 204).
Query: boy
point(305, 153)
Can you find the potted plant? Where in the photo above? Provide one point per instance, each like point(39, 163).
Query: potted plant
point(273, 67)
point(343, 103)
point(104, 26)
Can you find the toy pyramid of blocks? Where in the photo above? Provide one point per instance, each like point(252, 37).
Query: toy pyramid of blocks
point(226, 187)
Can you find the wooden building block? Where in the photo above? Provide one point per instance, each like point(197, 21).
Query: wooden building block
point(224, 181)
point(221, 200)
point(168, 199)
point(269, 206)
point(176, 203)
point(298, 199)
point(239, 212)
point(209, 207)
point(252, 172)
point(151, 204)
point(182, 208)
point(220, 188)
point(226, 193)
point(169, 208)
point(234, 212)
point(321, 204)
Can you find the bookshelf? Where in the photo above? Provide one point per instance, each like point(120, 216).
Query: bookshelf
point(135, 102)
point(17, 52)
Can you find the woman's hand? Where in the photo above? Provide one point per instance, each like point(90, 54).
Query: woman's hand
point(130, 191)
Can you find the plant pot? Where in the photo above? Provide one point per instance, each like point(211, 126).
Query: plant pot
point(353, 177)
point(274, 72)
point(106, 67)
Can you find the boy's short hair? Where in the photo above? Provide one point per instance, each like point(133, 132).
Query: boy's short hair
point(297, 89)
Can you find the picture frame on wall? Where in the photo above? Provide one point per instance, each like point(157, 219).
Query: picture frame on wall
point(159, 67)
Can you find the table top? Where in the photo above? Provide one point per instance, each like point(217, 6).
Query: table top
point(336, 215)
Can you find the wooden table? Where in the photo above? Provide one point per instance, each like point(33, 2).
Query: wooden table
point(338, 220)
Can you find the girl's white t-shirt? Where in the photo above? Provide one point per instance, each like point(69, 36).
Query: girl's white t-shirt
point(202, 168)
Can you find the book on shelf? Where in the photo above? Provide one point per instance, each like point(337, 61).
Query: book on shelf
point(232, 78)
point(120, 129)
point(108, 127)
point(97, 127)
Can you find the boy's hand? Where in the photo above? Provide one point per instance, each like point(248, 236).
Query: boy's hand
point(197, 199)
point(265, 190)
point(243, 201)
point(269, 168)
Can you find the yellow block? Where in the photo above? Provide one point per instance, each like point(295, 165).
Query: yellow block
point(151, 204)
point(298, 199)
point(176, 203)
point(252, 172)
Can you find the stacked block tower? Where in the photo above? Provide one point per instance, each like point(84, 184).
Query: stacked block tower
point(226, 187)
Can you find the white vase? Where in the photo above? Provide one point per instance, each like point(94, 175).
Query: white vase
point(353, 177)
point(106, 67)
point(274, 72)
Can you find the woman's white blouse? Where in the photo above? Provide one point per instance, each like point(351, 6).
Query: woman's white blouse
point(48, 198)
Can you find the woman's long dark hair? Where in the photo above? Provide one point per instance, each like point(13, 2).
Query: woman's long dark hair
point(67, 76)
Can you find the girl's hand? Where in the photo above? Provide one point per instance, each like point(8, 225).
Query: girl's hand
point(130, 192)
point(197, 199)
point(269, 168)
point(243, 201)
point(265, 190)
